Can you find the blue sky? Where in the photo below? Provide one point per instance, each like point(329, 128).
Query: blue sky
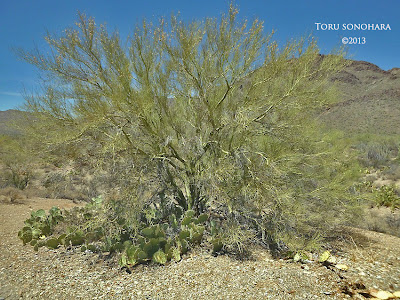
point(24, 24)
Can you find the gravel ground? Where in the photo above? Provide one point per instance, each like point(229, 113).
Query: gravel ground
point(373, 260)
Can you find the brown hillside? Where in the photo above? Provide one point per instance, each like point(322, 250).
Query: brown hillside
point(370, 100)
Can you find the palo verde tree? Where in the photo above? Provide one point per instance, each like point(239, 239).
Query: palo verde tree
point(212, 114)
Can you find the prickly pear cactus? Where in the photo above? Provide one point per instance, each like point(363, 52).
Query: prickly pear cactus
point(52, 243)
point(40, 225)
point(161, 243)
point(160, 257)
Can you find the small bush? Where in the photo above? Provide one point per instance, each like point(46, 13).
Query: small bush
point(236, 238)
point(377, 151)
point(17, 161)
point(392, 172)
point(386, 196)
point(11, 194)
point(16, 175)
point(383, 220)
point(67, 185)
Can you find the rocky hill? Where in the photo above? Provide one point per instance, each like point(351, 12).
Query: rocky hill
point(370, 100)
point(9, 120)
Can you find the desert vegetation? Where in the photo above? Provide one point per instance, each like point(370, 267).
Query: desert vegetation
point(201, 133)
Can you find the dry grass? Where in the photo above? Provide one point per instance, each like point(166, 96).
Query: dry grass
point(382, 219)
point(12, 195)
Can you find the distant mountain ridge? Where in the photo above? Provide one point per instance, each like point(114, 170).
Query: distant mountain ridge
point(8, 118)
point(369, 102)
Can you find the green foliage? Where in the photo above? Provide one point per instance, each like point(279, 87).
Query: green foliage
point(160, 257)
point(211, 114)
point(96, 202)
point(52, 243)
point(39, 226)
point(155, 231)
point(217, 245)
point(75, 237)
point(386, 196)
point(19, 178)
point(159, 243)
point(14, 154)
point(377, 151)
point(301, 256)
point(163, 242)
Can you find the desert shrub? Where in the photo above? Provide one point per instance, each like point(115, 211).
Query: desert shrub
point(235, 237)
point(376, 155)
point(18, 175)
point(72, 181)
point(382, 219)
point(392, 172)
point(11, 194)
point(393, 223)
point(18, 166)
point(386, 196)
point(58, 184)
point(204, 116)
point(377, 152)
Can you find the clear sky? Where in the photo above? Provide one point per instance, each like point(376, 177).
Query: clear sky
point(24, 24)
